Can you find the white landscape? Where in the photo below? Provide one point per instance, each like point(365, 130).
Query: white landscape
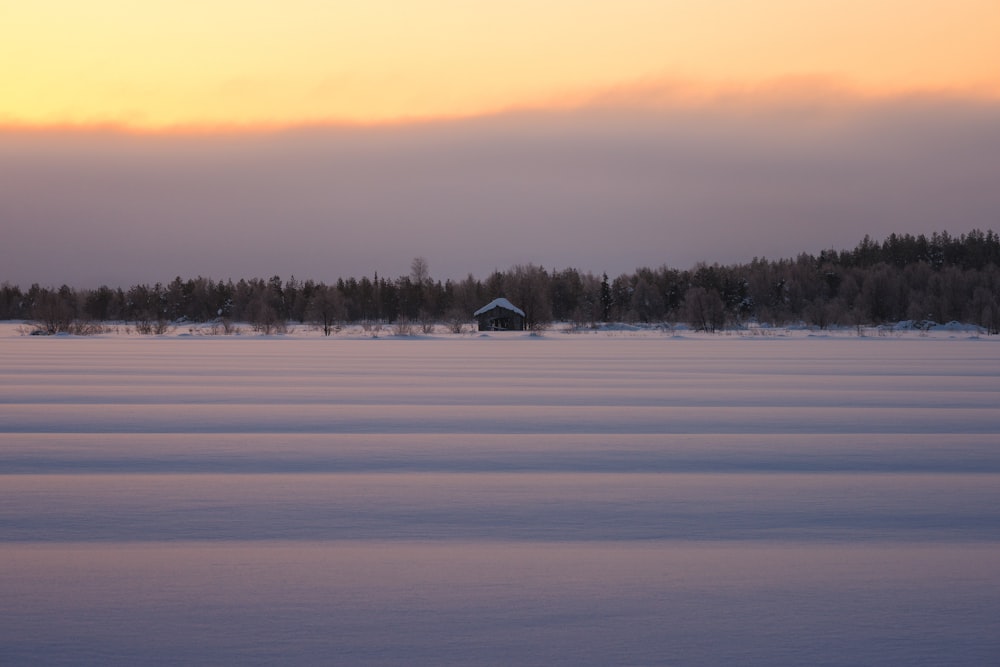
point(595, 498)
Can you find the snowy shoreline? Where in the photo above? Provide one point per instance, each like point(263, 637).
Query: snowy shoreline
point(557, 331)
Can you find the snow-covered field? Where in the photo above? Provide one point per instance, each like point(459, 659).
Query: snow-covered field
point(627, 497)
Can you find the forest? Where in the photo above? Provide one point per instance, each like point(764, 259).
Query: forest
point(918, 279)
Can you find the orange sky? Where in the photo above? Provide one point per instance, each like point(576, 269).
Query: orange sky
point(158, 63)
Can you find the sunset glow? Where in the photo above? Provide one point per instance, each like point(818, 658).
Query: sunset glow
point(322, 138)
point(221, 63)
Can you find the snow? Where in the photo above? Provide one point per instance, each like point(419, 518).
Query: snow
point(498, 303)
point(625, 496)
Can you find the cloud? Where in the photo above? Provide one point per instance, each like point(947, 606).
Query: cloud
point(607, 185)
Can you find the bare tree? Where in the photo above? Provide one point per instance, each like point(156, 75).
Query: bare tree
point(264, 318)
point(705, 309)
point(419, 271)
point(647, 304)
point(52, 312)
point(527, 286)
point(325, 308)
point(420, 279)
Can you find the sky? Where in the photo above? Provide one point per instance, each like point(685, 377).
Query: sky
point(139, 141)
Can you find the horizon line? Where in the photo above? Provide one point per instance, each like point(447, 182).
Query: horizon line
point(650, 96)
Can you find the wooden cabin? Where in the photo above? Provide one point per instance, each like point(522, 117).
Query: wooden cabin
point(500, 315)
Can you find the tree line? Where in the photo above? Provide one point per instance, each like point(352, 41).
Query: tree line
point(923, 279)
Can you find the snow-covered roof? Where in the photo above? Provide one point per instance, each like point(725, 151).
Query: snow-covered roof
point(498, 303)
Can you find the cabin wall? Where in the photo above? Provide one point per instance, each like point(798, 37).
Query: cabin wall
point(512, 320)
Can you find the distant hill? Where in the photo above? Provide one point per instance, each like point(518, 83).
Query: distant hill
point(922, 279)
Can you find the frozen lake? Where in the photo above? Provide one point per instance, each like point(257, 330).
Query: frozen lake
point(576, 499)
